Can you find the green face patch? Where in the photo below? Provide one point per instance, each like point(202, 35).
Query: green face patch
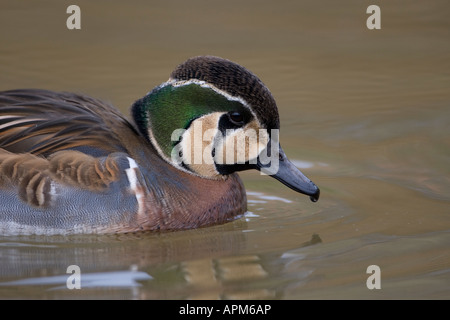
point(172, 107)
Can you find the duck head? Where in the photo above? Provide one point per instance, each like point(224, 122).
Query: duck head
point(214, 117)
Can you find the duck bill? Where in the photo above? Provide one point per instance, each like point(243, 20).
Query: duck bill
point(282, 169)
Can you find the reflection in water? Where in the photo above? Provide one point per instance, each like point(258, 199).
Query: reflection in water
point(87, 280)
point(212, 279)
point(39, 269)
point(364, 113)
point(42, 272)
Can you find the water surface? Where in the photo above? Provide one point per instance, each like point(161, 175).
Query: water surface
point(364, 113)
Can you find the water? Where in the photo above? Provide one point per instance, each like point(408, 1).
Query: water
point(365, 114)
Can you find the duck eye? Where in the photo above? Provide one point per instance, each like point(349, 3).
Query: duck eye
point(236, 117)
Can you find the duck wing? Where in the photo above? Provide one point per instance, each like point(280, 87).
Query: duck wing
point(65, 166)
point(42, 122)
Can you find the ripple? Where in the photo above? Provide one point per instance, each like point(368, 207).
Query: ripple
point(262, 197)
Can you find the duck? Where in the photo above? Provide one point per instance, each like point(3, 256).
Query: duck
point(73, 164)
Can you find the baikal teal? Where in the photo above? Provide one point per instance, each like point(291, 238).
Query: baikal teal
point(72, 164)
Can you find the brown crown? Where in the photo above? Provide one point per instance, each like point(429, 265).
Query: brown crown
point(235, 80)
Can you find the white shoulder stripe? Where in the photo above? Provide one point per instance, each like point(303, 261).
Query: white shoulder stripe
point(131, 173)
point(135, 187)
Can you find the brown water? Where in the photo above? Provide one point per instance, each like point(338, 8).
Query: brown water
point(364, 113)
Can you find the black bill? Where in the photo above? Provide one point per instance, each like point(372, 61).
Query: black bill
point(288, 174)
